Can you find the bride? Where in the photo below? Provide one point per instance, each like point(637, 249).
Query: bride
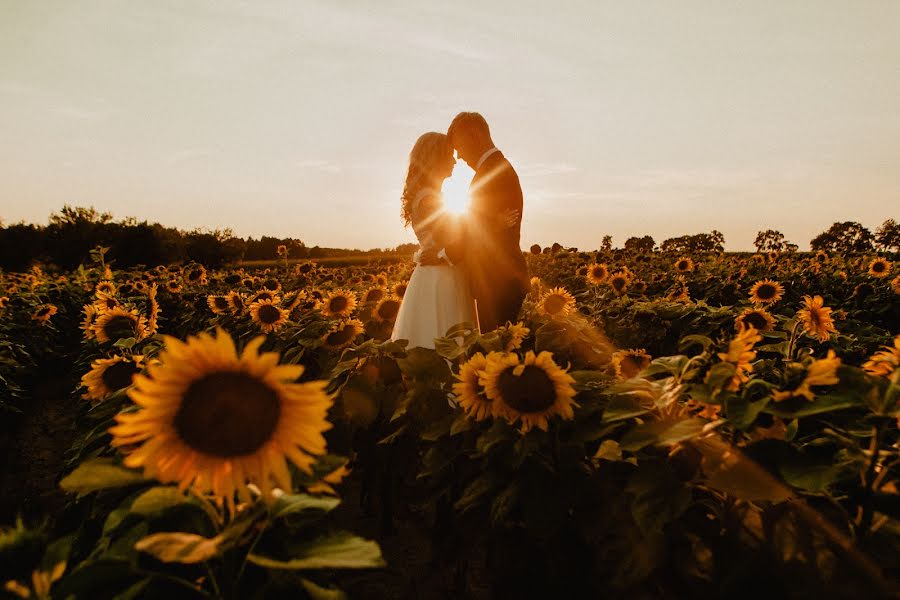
point(437, 296)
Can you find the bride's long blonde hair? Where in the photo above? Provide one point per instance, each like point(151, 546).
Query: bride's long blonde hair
point(428, 149)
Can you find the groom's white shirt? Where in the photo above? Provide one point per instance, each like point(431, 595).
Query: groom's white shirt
point(485, 156)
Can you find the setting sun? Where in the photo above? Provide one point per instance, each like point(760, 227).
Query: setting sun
point(456, 189)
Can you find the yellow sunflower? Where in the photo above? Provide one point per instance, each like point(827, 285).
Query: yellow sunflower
point(766, 291)
point(884, 362)
point(759, 318)
point(105, 287)
point(684, 265)
point(108, 375)
point(215, 421)
point(262, 296)
point(4, 301)
point(820, 372)
point(556, 302)
point(153, 319)
point(195, 274)
point(597, 273)
point(119, 323)
point(43, 313)
point(281, 250)
point(816, 318)
point(386, 310)
point(880, 268)
point(373, 295)
point(740, 353)
point(105, 302)
point(619, 283)
point(628, 363)
point(41, 583)
point(400, 290)
point(173, 286)
point(895, 284)
point(218, 304)
point(532, 390)
point(268, 315)
point(87, 323)
point(514, 334)
point(235, 302)
point(342, 334)
point(469, 390)
point(338, 303)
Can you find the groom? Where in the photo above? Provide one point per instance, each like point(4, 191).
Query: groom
point(494, 264)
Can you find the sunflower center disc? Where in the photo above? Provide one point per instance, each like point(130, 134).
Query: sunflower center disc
point(756, 319)
point(119, 327)
point(389, 310)
point(337, 304)
point(341, 336)
point(554, 304)
point(119, 375)
point(531, 392)
point(227, 414)
point(269, 314)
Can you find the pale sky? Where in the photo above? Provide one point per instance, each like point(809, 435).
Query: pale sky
point(296, 118)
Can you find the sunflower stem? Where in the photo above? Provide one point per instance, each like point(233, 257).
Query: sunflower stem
point(790, 348)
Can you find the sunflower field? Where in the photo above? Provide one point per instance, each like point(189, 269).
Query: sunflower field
point(655, 425)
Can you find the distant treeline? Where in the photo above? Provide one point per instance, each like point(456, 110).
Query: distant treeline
point(71, 234)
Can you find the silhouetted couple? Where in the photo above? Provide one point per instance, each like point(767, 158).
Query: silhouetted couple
point(469, 267)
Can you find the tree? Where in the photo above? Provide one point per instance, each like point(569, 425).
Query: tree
point(606, 245)
point(887, 236)
point(845, 237)
point(769, 240)
point(640, 245)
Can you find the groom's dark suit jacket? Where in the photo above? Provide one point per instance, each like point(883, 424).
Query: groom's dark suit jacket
point(493, 260)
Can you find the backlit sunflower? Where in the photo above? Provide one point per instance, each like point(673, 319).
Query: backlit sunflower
point(532, 390)
point(105, 287)
point(597, 273)
point(766, 291)
point(469, 390)
point(43, 313)
point(108, 375)
point(105, 302)
point(820, 372)
point(342, 334)
point(759, 318)
point(268, 315)
point(816, 318)
point(880, 268)
point(628, 363)
point(373, 295)
point(386, 310)
point(619, 283)
point(556, 302)
point(684, 265)
point(740, 353)
point(338, 303)
point(884, 362)
point(215, 421)
point(218, 304)
point(513, 334)
point(281, 250)
point(119, 323)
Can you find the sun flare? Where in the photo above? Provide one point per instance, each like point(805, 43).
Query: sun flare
point(456, 189)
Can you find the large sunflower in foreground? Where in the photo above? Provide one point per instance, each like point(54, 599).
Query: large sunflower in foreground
point(820, 372)
point(108, 375)
point(268, 315)
point(556, 301)
point(816, 318)
point(118, 323)
point(532, 390)
point(338, 303)
point(215, 420)
point(766, 291)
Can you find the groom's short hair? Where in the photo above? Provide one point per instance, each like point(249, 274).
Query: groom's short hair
point(467, 124)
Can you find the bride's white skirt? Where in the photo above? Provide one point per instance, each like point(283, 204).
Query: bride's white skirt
point(437, 298)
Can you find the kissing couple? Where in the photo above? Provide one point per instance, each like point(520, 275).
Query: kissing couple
point(470, 267)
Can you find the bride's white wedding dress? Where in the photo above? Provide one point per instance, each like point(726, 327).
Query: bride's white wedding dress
point(437, 296)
